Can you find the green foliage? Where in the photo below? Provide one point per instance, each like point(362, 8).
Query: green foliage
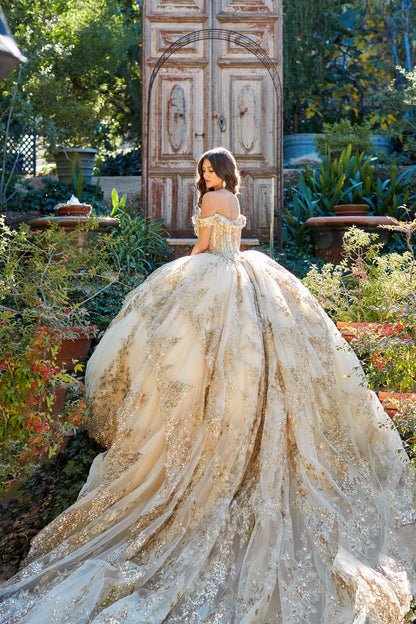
point(125, 164)
point(138, 245)
point(395, 111)
point(365, 285)
point(405, 422)
point(118, 204)
point(29, 376)
point(296, 210)
point(388, 357)
point(350, 179)
point(46, 282)
point(82, 83)
point(338, 54)
point(389, 196)
point(298, 260)
point(107, 304)
point(368, 287)
point(41, 270)
point(337, 136)
point(309, 45)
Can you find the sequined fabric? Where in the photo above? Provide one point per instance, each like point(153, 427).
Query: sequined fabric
point(250, 476)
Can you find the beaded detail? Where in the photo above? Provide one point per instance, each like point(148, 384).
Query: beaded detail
point(224, 236)
point(250, 478)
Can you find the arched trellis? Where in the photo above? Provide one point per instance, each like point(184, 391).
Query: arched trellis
point(250, 45)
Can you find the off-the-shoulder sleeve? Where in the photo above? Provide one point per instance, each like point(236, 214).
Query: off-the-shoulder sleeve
point(241, 221)
point(200, 222)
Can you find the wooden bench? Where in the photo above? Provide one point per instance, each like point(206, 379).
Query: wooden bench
point(186, 243)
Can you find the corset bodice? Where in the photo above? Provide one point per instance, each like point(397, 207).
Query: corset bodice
point(224, 236)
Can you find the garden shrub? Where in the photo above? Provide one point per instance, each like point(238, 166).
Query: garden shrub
point(125, 164)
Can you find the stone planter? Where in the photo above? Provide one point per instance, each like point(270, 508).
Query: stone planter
point(298, 147)
point(328, 233)
point(85, 159)
point(348, 210)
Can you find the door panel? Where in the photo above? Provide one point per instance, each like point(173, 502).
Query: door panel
point(179, 102)
point(175, 8)
point(246, 6)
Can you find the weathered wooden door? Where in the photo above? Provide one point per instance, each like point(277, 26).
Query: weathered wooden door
point(208, 93)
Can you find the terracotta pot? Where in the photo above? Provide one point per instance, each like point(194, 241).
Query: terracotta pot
point(328, 232)
point(76, 346)
point(350, 329)
point(391, 407)
point(346, 210)
point(59, 400)
point(73, 210)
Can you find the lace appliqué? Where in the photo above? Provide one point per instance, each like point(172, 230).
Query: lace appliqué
point(224, 236)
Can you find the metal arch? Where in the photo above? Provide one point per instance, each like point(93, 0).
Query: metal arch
point(250, 45)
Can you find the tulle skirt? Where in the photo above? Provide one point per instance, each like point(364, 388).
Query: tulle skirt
point(250, 476)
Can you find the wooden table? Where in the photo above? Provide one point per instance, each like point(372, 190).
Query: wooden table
point(186, 243)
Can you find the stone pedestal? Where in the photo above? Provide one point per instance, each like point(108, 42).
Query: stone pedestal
point(328, 233)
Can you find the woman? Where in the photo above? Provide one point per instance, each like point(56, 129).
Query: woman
point(250, 476)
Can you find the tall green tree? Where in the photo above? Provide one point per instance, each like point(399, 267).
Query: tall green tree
point(338, 54)
point(311, 30)
point(82, 83)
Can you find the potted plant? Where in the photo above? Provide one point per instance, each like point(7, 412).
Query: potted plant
point(68, 126)
point(45, 332)
point(351, 179)
point(347, 180)
point(337, 136)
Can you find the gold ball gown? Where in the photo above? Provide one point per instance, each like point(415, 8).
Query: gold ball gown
point(250, 475)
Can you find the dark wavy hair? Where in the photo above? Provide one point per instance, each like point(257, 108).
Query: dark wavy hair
point(225, 167)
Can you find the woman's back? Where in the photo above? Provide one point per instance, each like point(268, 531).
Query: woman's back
point(220, 202)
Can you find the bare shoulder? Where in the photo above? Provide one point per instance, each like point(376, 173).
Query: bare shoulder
point(228, 204)
point(208, 204)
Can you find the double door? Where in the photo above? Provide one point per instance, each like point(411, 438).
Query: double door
point(208, 93)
